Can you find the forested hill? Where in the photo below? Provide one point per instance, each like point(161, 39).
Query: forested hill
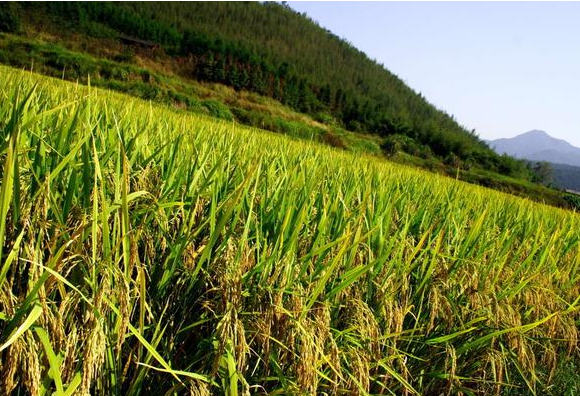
point(275, 51)
point(318, 71)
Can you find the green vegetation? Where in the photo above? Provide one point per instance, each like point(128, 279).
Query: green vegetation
point(269, 49)
point(147, 250)
point(219, 102)
point(123, 71)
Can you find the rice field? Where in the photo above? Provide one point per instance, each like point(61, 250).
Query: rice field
point(145, 250)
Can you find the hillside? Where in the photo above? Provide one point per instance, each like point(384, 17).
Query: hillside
point(265, 48)
point(261, 264)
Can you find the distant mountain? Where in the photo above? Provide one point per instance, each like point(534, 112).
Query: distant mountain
point(538, 146)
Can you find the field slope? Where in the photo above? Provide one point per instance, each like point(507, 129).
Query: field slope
point(145, 250)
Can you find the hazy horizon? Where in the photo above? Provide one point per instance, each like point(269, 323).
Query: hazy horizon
point(501, 68)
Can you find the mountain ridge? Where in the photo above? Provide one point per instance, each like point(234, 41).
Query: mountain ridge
point(538, 145)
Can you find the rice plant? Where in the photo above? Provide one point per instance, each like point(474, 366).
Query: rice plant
point(145, 250)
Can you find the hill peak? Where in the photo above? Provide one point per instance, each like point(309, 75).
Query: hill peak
point(537, 145)
point(535, 133)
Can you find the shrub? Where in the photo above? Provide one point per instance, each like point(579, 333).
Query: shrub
point(127, 56)
point(359, 145)
point(297, 129)
point(390, 146)
point(395, 143)
point(452, 160)
point(355, 126)
point(333, 140)
point(324, 118)
point(218, 109)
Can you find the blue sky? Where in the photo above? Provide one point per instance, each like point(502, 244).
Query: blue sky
point(501, 68)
